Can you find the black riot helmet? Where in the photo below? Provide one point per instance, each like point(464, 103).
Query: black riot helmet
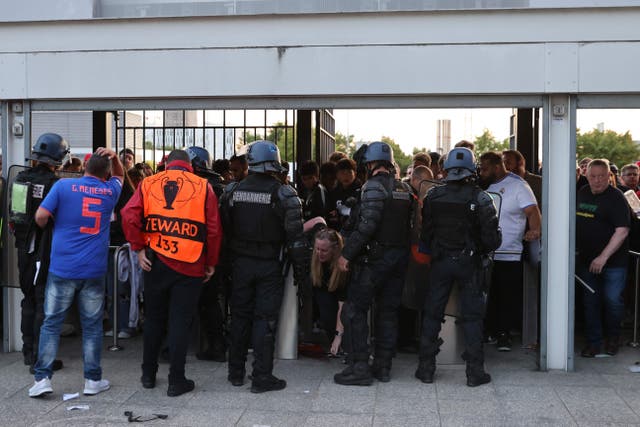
point(263, 156)
point(200, 158)
point(50, 148)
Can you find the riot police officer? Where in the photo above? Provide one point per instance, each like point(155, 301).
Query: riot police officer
point(259, 216)
point(377, 252)
point(209, 309)
point(460, 228)
point(33, 243)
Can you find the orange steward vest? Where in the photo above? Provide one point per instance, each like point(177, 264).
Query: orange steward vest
point(174, 214)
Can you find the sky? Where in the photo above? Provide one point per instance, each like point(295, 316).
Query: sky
point(417, 127)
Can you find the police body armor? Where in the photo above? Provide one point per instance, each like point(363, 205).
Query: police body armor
point(256, 226)
point(397, 216)
point(27, 191)
point(452, 220)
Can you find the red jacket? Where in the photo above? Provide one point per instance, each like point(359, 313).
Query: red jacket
point(133, 215)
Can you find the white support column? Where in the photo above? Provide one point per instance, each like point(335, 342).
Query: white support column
point(559, 191)
point(15, 136)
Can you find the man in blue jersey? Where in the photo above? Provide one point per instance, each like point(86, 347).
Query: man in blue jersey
point(80, 210)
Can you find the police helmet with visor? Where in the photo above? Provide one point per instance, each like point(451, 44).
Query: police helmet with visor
point(459, 164)
point(263, 156)
point(50, 148)
point(200, 158)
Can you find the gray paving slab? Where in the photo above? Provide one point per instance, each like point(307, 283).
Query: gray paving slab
point(253, 418)
point(207, 417)
point(596, 404)
point(406, 421)
point(600, 392)
point(329, 419)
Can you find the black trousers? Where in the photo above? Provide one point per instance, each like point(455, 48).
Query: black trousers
point(327, 303)
point(170, 299)
point(446, 271)
point(32, 304)
point(380, 280)
point(211, 317)
point(256, 296)
point(504, 311)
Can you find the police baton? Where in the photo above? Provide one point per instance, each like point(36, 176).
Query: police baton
point(583, 283)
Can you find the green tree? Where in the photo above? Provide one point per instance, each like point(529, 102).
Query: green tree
point(403, 159)
point(417, 150)
point(345, 143)
point(487, 142)
point(284, 137)
point(617, 148)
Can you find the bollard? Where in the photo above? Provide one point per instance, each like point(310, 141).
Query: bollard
point(115, 346)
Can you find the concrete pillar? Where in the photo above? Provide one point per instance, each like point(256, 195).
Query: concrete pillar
point(15, 135)
point(558, 232)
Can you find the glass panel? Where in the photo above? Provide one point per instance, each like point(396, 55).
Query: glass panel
point(173, 118)
point(199, 138)
point(255, 118)
point(169, 140)
point(275, 116)
point(179, 141)
point(208, 142)
point(148, 138)
point(188, 138)
point(234, 118)
point(193, 118)
point(214, 118)
point(153, 118)
point(134, 118)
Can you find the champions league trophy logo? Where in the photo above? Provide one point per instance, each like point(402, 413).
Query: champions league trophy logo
point(171, 190)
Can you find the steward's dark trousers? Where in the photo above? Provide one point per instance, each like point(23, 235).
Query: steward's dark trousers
point(170, 298)
point(446, 271)
point(381, 279)
point(504, 311)
point(211, 317)
point(256, 296)
point(32, 304)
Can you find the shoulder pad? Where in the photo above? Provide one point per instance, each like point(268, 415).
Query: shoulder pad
point(230, 187)
point(484, 198)
point(286, 191)
point(435, 191)
point(373, 190)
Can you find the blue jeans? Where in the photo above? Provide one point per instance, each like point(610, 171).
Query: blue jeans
point(608, 286)
point(59, 295)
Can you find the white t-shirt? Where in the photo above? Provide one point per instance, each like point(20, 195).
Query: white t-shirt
point(516, 196)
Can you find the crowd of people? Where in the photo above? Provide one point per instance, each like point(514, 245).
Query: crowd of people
point(212, 238)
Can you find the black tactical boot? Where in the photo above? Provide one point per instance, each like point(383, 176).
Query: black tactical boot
point(476, 375)
point(426, 370)
point(356, 374)
point(381, 368)
point(263, 383)
point(236, 377)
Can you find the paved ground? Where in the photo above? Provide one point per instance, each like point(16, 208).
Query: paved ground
point(601, 392)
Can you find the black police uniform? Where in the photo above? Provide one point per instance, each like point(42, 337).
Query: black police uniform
point(460, 226)
point(31, 242)
point(209, 308)
point(260, 215)
point(377, 249)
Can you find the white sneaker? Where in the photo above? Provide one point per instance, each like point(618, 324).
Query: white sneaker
point(40, 388)
point(94, 387)
point(635, 368)
point(123, 335)
point(108, 333)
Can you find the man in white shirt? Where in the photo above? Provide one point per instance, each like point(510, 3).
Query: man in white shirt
point(518, 208)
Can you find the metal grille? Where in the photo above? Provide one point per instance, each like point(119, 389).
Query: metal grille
point(151, 134)
point(325, 135)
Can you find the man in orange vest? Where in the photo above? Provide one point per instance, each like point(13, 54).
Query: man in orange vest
point(172, 221)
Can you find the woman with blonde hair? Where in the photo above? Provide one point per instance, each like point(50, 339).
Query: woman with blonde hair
point(329, 284)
